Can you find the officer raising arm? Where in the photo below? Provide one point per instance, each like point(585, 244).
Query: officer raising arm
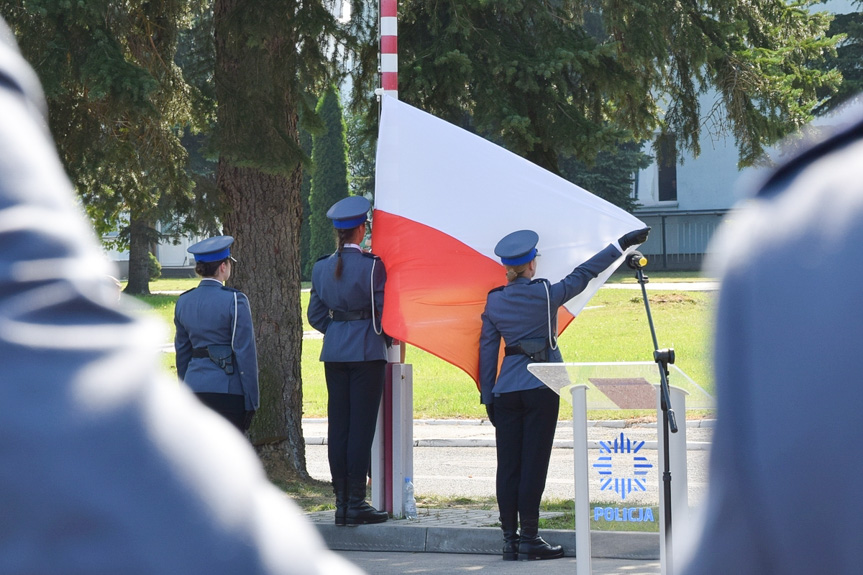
point(346, 304)
point(522, 409)
point(215, 342)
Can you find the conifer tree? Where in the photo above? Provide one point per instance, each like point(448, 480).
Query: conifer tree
point(330, 175)
point(571, 78)
point(116, 103)
point(271, 55)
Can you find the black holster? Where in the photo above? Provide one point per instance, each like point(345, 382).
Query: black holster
point(536, 348)
point(221, 355)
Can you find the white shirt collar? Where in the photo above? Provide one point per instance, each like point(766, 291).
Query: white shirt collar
point(355, 246)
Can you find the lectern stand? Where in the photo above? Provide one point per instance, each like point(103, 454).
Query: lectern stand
point(626, 385)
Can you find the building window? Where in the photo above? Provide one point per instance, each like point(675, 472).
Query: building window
point(666, 149)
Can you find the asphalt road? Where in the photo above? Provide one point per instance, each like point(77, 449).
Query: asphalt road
point(457, 469)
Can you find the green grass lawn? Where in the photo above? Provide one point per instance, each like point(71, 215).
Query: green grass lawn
point(613, 327)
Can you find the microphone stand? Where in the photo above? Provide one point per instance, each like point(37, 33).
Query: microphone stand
point(662, 357)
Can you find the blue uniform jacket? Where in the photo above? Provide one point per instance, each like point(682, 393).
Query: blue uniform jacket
point(363, 275)
point(213, 314)
point(519, 310)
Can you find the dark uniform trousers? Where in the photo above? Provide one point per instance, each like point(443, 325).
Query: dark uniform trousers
point(525, 422)
point(355, 390)
point(231, 406)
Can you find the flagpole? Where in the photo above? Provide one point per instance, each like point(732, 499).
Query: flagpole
point(392, 449)
point(389, 48)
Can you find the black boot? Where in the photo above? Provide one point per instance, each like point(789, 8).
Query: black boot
point(509, 524)
point(532, 547)
point(340, 488)
point(359, 512)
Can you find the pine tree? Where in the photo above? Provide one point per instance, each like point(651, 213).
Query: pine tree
point(116, 102)
point(269, 59)
point(306, 259)
point(848, 61)
point(571, 78)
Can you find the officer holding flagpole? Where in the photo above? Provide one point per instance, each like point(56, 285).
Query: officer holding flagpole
point(523, 410)
point(215, 341)
point(346, 305)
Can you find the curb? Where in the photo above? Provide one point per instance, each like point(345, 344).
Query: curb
point(562, 444)
point(392, 537)
point(614, 423)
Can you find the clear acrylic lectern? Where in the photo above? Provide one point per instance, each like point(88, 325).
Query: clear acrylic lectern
point(622, 385)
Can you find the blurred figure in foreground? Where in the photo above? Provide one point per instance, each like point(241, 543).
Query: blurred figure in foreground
point(783, 496)
point(105, 467)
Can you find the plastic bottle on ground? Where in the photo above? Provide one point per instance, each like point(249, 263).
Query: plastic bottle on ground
point(410, 500)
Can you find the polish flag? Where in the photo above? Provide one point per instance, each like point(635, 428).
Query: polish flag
point(443, 199)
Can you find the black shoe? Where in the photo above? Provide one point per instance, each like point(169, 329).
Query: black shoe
point(340, 488)
point(359, 512)
point(510, 545)
point(364, 514)
point(534, 548)
point(509, 525)
point(510, 550)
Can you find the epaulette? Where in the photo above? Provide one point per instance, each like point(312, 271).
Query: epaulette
point(226, 288)
point(371, 255)
point(538, 281)
point(188, 290)
point(323, 257)
point(498, 288)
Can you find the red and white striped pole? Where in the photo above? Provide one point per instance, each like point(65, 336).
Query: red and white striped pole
point(389, 48)
point(392, 449)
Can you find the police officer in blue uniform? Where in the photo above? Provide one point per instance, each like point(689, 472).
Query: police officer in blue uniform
point(215, 341)
point(346, 304)
point(523, 410)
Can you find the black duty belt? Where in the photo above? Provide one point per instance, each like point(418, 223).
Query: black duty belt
point(200, 352)
point(536, 348)
point(350, 315)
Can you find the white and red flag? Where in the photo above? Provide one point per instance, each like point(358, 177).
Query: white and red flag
point(443, 199)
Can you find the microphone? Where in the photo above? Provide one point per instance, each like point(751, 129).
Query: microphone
point(636, 260)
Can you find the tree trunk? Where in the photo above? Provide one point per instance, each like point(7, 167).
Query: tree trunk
point(265, 222)
point(260, 176)
point(139, 258)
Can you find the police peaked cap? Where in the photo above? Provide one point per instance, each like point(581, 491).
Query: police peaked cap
point(517, 248)
point(212, 249)
point(349, 212)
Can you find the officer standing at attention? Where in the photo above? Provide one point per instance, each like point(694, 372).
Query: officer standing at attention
point(523, 410)
point(346, 304)
point(215, 342)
